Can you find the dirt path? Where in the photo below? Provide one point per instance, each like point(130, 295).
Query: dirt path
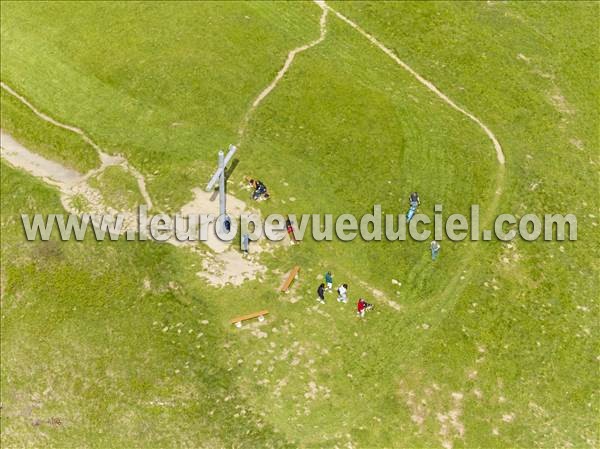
point(452, 291)
point(422, 80)
point(51, 172)
point(220, 266)
point(287, 64)
point(71, 184)
point(458, 283)
point(233, 268)
point(106, 160)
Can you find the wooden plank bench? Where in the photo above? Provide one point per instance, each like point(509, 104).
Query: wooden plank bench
point(238, 320)
point(293, 274)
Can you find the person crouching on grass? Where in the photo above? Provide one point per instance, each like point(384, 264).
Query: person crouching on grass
point(259, 189)
point(362, 306)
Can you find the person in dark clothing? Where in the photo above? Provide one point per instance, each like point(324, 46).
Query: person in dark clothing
point(260, 190)
point(414, 199)
point(290, 231)
point(414, 202)
point(321, 293)
point(245, 244)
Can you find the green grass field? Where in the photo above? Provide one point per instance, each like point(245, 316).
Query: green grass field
point(122, 345)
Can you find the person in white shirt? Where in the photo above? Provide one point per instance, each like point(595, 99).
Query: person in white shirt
point(343, 293)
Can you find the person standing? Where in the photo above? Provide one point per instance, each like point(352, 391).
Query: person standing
point(411, 212)
point(435, 249)
point(290, 231)
point(414, 200)
point(245, 243)
point(329, 281)
point(321, 293)
point(343, 293)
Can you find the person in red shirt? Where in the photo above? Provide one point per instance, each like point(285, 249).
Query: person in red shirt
point(290, 231)
point(361, 307)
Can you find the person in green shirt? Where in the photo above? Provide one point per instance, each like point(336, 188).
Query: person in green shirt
point(329, 281)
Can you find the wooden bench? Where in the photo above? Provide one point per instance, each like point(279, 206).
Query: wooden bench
point(289, 279)
point(238, 320)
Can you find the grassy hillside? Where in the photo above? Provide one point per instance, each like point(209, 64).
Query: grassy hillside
point(121, 345)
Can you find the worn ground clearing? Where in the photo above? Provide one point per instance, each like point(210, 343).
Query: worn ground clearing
point(221, 265)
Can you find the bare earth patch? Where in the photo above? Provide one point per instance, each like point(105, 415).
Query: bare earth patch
point(560, 103)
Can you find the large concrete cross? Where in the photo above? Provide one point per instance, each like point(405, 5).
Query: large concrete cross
point(219, 175)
